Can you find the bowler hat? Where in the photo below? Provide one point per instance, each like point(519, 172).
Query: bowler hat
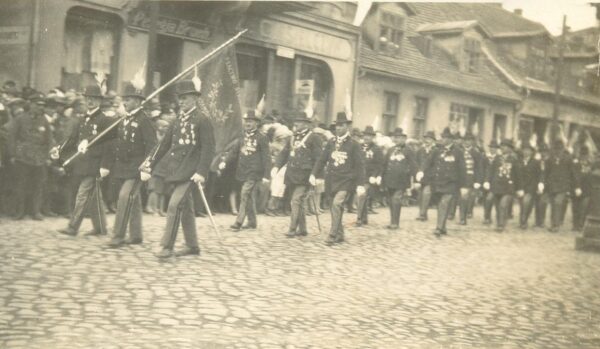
point(37, 98)
point(251, 115)
point(493, 144)
point(429, 134)
point(584, 151)
point(131, 91)
point(301, 116)
point(398, 132)
point(93, 91)
point(369, 131)
point(526, 145)
point(469, 136)
point(356, 132)
point(507, 142)
point(186, 87)
point(341, 119)
point(446, 133)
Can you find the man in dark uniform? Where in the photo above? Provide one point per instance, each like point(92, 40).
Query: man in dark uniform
point(530, 178)
point(488, 196)
point(447, 168)
point(425, 181)
point(541, 206)
point(502, 181)
point(374, 168)
point(30, 141)
point(474, 177)
point(183, 159)
point(345, 171)
point(580, 205)
point(561, 177)
point(253, 166)
point(136, 139)
point(91, 165)
point(457, 142)
point(300, 155)
point(399, 167)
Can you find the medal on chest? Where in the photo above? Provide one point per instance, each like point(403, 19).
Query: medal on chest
point(188, 135)
point(249, 146)
point(369, 154)
point(339, 157)
point(505, 169)
point(397, 156)
point(94, 129)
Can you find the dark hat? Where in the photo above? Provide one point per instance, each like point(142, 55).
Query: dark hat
point(446, 133)
point(301, 116)
point(251, 115)
point(322, 126)
point(15, 102)
point(398, 132)
point(341, 119)
point(584, 150)
point(493, 144)
point(37, 98)
point(131, 91)
point(543, 147)
point(369, 131)
point(93, 91)
point(356, 132)
point(10, 87)
point(332, 126)
point(469, 137)
point(429, 134)
point(507, 142)
point(186, 87)
point(526, 145)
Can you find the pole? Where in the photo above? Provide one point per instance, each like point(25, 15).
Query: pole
point(160, 89)
point(210, 216)
point(557, 87)
point(151, 59)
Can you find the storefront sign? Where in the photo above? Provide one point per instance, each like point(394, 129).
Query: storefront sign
point(140, 19)
point(305, 39)
point(285, 52)
point(304, 87)
point(14, 35)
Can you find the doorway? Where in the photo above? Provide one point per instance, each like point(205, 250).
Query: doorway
point(168, 64)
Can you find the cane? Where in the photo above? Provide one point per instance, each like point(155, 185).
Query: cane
point(210, 216)
point(314, 201)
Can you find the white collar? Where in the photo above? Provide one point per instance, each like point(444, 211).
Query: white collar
point(342, 138)
point(89, 113)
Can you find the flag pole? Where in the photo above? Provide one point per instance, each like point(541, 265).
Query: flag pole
point(160, 89)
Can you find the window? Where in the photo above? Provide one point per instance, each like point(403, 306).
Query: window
point(390, 111)
point(537, 60)
point(420, 118)
point(391, 33)
point(253, 75)
point(463, 116)
point(319, 73)
point(499, 126)
point(458, 112)
point(472, 55)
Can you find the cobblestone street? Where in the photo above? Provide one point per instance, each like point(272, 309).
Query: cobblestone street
point(256, 289)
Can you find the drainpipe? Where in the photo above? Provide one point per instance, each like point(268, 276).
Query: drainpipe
point(33, 40)
point(356, 71)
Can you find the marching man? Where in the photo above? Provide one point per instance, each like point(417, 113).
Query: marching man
point(374, 168)
point(183, 159)
point(135, 141)
point(345, 172)
point(425, 183)
point(300, 155)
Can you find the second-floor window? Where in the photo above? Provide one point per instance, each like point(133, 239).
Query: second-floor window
point(390, 111)
point(472, 55)
point(420, 117)
point(391, 33)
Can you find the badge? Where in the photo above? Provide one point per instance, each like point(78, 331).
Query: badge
point(41, 129)
point(134, 124)
point(449, 158)
point(187, 141)
point(133, 135)
point(183, 130)
point(94, 132)
point(181, 141)
point(292, 153)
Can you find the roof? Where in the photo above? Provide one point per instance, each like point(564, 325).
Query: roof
point(448, 27)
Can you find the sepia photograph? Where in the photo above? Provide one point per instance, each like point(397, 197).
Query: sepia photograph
point(299, 174)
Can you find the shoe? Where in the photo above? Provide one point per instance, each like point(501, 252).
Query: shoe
point(111, 208)
point(358, 224)
point(351, 210)
point(487, 222)
point(438, 233)
point(372, 212)
point(188, 251)
point(19, 217)
point(133, 242)
point(115, 243)
point(269, 213)
point(49, 214)
point(392, 227)
point(93, 232)
point(249, 227)
point(444, 232)
point(553, 229)
point(162, 213)
point(164, 253)
point(38, 217)
point(302, 233)
point(200, 214)
point(523, 226)
point(330, 241)
point(421, 219)
point(450, 218)
point(68, 231)
point(499, 229)
point(462, 222)
point(235, 227)
point(290, 234)
point(469, 215)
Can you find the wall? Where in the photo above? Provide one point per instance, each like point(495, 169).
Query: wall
point(542, 106)
point(15, 29)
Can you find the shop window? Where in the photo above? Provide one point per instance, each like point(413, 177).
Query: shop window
point(390, 111)
point(318, 74)
point(391, 33)
point(472, 55)
point(90, 48)
point(526, 129)
point(465, 115)
point(420, 117)
point(499, 126)
point(252, 75)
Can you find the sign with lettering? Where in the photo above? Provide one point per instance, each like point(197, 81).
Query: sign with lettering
point(304, 39)
point(14, 35)
point(140, 19)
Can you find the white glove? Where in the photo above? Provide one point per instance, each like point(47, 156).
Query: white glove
point(145, 176)
point(419, 176)
point(520, 193)
point(486, 185)
point(274, 172)
point(82, 148)
point(54, 153)
point(464, 192)
point(372, 180)
point(417, 185)
point(197, 178)
point(312, 180)
point(408, 191)
point(222, 165)
point(476, 185)
point(320, 181)
point(266, 180)
point(104, 172)
point(378, 180)
point(360, 190)
point(578, 192)
point(540, 188)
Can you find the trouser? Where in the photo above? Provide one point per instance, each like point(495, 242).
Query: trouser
point(89, 196)
point(466, 203)
point(129, 211)
point(337, 211)
point(502, 204)
point(443, 209)
point(579, 209)
point(262, 191)
point(424, 200)
point(541, 206)
point(395, 198)
point(453, 205)
point(30, 185)
point(362, 209)
point(248, 203)
point(181, 209)
point(298, 205)
point(488, 204)
point(557, 203)
point(350, 200)
point(527, 202)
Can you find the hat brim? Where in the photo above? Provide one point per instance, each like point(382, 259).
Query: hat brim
point(369, 133)
point(189, 93)
point(133, 95)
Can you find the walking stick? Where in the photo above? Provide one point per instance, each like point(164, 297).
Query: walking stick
point(210, 216)
point(99, 204)
point(314, 201)
point(159, 90)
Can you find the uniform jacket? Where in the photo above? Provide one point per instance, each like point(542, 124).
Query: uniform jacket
point(503, 175)
point(447, 168)
point(374, 159)
point(530, 175)
point(560, 173)
point(423, 155)
point(300, 154)
point(475, 174)
point(400, 166)
point(344, 165)
point(254, 157)
point(30, 139)
point(188, 147)
point(135, 141)
point(99, 154)
point(585, 175)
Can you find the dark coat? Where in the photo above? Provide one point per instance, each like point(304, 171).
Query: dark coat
point(374, 159)
point(400, 166)
point(188, 147)
point(30, 140)
point(136, 139)
point(475, 174)
point(503, 176)
point(447, 168)
point(301, 161)
point(585, 175)
point(423, 155)
point(530, 175)
point(254, 157)
point(560, 174)
point(345, 165)
point(99, 155)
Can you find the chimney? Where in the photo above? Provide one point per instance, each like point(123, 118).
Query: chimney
point(518, 11)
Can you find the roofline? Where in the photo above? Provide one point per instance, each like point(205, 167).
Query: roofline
point(508, 35)
point(434, 83)
point(473, 24)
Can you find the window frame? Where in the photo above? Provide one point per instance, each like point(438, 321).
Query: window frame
point(390, 117)
point(420, 116)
